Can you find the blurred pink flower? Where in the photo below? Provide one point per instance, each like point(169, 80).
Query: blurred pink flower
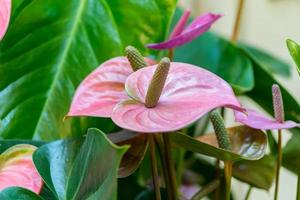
point(181, 35)
point(5, 9)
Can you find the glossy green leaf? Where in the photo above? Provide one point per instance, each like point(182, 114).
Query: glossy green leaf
point(290, 154)
point(134, 155)
point(16, 193)
point(259, 173)
point(247, 144)
point(269, 62)
point(52, 45)
point(294, 49)
point(81, 168)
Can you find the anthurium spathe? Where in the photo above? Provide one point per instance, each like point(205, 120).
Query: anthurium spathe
point(101, 90)
point(5, 9)
point(182, 35)
point(188, 93)
point(17, 169)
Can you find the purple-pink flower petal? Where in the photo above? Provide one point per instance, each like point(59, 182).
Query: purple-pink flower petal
point(189, 93)
point(199, 26)
point(257, 120)
point(180, 24)
point(5, 9)
point(102, 89)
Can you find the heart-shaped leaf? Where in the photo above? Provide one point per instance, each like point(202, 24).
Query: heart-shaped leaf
point(16, 193)
point(17, 168)
point(5, 9)
point(258, 173)
point(83, 168)
point(247, 144)
point(52, 45)
point(294, 49)
point(136, 152)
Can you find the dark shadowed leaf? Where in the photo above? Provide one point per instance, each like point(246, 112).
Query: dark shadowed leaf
point(136, 152)
point(16, 193)
point(294, 49)
point(52, 45)
point(290, 154)
point(259, 173)
point(247, 144)
point(267, 61)
point(83, 168)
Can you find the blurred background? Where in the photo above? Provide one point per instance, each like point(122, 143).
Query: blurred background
point(266, 24)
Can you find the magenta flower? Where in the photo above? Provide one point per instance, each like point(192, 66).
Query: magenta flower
point(181, 35)
point(257, 120)
point(5, 9)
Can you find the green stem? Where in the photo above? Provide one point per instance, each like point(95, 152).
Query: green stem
point(237, 23)
point(155, 177)
point(180, 166)
point(171, 170)
point(228, 175)
point(210, 187)
point(218, 176)
point(248, 193)
point(279, 158)
point(298, 188)
point(161, 152)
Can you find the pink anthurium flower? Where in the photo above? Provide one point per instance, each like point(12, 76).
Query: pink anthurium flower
point(189, 93)
point(101, 90)
point(257, 120)
point(5, 9)
point(17, 169)
point(181, 35)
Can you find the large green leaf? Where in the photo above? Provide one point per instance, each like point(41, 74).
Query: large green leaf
point(52, 45)
point(258, 173)
point(80, 168)
point(16, 193)
point(294, 49)
point(290, 155)
point(267, 61)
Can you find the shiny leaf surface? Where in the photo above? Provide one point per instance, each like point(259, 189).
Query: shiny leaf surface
point(294, 49)
point(52, 45)
point(187, 96)
point(247, 144)
point(17, 169)
point(83, 168)
point(16, 193)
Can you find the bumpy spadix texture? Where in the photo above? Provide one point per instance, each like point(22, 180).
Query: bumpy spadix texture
point(101, 90)
point(277, 103)
point(181, 36)
point(17, 169)
point(220, 130)
point(135, 58)
point(5, 9)
point(188, 94)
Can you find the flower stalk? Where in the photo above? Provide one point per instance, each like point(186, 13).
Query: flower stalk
point(155, 176)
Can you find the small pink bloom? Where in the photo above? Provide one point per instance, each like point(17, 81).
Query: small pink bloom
point(5, 9)
point(257, 120)
point(189, 93)
point(17, 169)
point(180, 36)
point(101, 90)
